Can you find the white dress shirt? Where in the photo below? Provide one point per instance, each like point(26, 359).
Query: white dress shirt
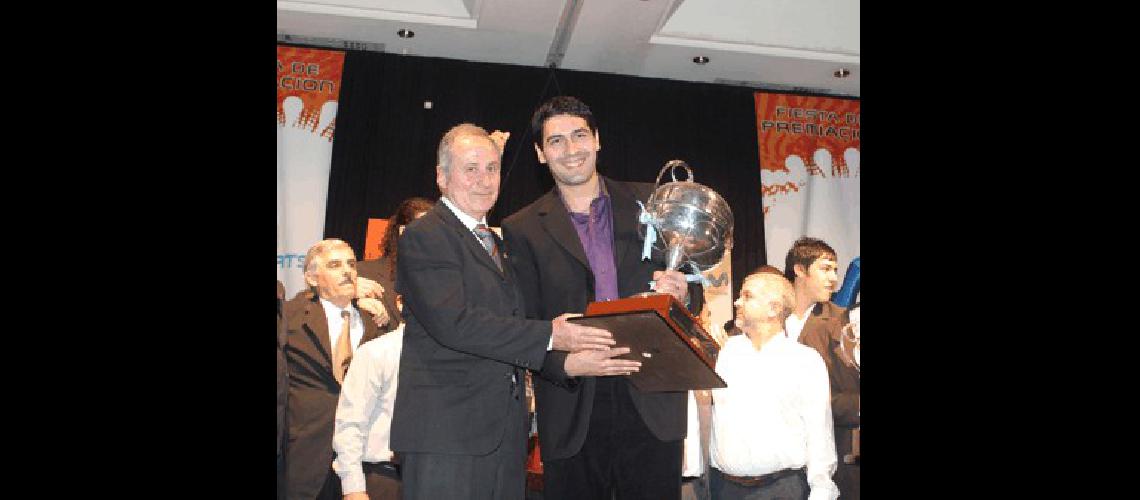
point(467, 220)
point(364, 411)
point(336, 322)
point(695, 455)
point(775, 413)
point(794, 325)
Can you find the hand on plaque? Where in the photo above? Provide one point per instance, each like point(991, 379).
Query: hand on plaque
point(573, 337)
point(600, 363)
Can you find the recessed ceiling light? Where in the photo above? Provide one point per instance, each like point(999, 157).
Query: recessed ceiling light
point(701, 60)
point(842, 73)
point(406, 33)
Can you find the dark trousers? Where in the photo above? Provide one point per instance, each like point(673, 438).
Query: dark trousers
point(382, 482)
point(621, 455)
point(846, 475)
point(847, 479)
point(791, 487)
point(280, 476)
point(500, 475)
point(331, 488)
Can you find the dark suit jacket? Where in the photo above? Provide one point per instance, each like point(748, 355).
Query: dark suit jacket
point(282, 377)
point(556, 278)
point(822, 332)
point(313, 394)
point(377, 270)
point(465, 335)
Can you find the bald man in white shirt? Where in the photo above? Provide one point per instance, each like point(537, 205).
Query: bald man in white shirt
point(771, 427)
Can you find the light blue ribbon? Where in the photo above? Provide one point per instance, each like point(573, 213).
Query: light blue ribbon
point(647, 247)
point(650, 233)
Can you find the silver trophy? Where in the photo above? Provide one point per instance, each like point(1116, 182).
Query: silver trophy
point(686, 223)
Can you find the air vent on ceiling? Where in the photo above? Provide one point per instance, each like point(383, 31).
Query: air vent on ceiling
point(332, 43)
point(778, 87)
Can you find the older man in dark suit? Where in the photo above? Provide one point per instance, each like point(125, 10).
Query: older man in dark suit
point(460, 420)
point(322, 329)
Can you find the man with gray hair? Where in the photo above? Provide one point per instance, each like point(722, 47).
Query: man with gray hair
point(771, 427)
point(322, 330)
point(460, 421)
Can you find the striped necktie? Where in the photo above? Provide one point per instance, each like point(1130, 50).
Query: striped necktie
point(488, 241)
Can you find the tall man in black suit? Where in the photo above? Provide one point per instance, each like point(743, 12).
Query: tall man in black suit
point(575, 245)
point(460, 420)
point(314, 326)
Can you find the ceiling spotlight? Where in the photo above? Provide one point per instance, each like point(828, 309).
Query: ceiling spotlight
point(842, 73)
point(701, 60)
point(406, 33)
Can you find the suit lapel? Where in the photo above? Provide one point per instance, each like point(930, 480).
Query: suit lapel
point(471, 241)
point(824, 314)
point(556, 222)
point(625, 211)
point(317, 328)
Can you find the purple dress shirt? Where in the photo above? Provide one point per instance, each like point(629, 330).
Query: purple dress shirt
point(596, 232)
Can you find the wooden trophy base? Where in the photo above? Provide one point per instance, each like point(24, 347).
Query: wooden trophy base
point(675, 352)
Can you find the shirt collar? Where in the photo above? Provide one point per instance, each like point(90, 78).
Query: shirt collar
point(602, 193)
point(468, 221)
point(332, 311)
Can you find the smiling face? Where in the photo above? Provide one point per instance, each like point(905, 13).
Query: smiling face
point(471, 180)
point(570, 148)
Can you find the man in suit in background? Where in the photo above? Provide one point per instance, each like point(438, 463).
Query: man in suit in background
point(575, 245)
point(818, 323)
point(460, 420)
point(282, 390)
point(322, 329)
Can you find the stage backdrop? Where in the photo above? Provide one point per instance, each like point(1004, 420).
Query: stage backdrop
point(308, 84)
point(394, 108)
point(809, 172)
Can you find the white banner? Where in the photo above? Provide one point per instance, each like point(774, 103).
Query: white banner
point(308, 84)
point(809, 171)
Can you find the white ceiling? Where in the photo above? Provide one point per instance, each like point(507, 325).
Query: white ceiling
point(776, 44)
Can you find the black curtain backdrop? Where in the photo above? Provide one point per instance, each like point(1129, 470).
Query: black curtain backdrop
point(385, 145)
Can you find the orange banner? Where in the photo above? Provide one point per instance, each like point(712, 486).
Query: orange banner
point(374, 238)
point(809, 172)
point(312, 75)
point(788, 124)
